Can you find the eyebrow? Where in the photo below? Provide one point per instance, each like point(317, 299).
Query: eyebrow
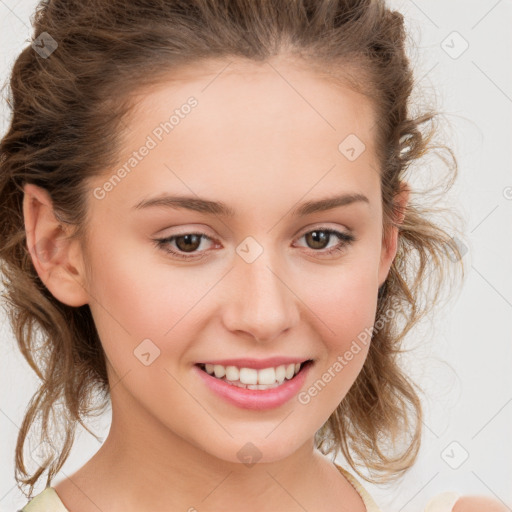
point(219, 208)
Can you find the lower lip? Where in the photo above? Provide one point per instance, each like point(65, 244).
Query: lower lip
point(256, 399)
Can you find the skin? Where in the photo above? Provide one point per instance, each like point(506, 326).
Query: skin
point(478, 504)
point(262, 147)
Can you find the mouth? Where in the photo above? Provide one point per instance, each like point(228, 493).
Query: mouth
point(252, 378)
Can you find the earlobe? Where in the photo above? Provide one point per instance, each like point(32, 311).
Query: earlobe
point(57, 260)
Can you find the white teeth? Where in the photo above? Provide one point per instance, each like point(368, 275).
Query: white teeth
point(266, 376)
point(249, 376)
point(232, 373)
point(219, 371)
point(252, 378)
point(280, 373)
point(290, 371)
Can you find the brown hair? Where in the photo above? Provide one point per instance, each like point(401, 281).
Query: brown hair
point(68, 110)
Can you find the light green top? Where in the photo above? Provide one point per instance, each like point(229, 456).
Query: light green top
point(49, 501)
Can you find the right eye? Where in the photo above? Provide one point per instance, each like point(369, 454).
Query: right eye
point(186, 243)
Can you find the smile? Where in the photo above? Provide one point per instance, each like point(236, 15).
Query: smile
point(251, 378)
point(255, 395)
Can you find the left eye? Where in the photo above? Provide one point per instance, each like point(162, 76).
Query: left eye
point(320, 235)
point(190, 242)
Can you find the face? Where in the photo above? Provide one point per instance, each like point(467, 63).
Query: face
point(268, 277)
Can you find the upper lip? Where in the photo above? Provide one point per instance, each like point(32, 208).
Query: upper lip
point(257, 364)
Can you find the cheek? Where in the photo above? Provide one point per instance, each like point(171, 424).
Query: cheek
point(346, 306)
point(139, 297)
point(135, 298)
point(136, 287)
point(345, 302)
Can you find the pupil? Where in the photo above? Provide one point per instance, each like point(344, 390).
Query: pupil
point(186, 247)
point(319, 237)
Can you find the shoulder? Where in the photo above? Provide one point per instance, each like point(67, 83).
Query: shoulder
point(478, 503)
point(454, 502)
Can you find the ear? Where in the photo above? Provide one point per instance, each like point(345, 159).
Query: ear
point(390, 238)
point(57, 261)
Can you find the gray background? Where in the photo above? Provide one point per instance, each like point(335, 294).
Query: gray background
point(462, 358)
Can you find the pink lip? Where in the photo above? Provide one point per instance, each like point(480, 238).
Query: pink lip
point(256, 399)
point(257, 364)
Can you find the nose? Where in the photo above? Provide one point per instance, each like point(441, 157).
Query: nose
point(260, 301)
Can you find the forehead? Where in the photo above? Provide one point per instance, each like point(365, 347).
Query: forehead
point(273, 127)
point(276, 93)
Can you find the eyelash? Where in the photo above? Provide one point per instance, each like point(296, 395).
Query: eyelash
point(345, 240)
